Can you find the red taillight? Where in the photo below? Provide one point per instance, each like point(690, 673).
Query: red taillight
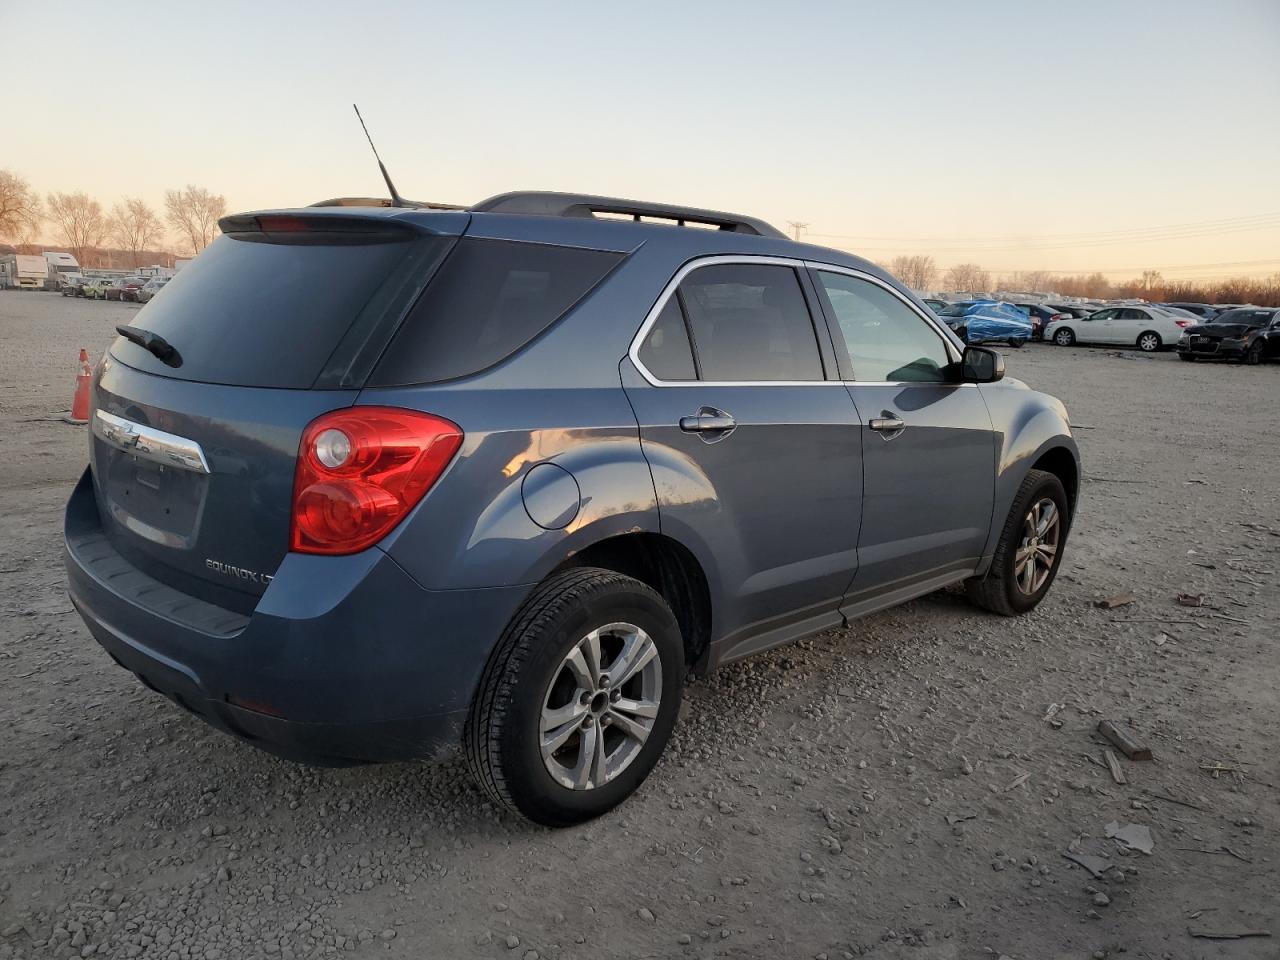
point(360, 470)
point(1184, 323)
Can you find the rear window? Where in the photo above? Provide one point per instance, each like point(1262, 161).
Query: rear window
point(489, 299)
point(261, 314)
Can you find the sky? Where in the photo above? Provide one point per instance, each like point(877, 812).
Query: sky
point(1117, 136)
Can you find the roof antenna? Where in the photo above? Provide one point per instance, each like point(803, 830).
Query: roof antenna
point(396, 199)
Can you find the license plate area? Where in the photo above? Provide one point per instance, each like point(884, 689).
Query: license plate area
point(161, 504)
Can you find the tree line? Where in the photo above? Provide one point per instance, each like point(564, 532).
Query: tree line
point(922, 273)
point(84, 227)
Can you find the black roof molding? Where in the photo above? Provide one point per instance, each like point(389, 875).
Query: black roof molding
point(551, 204)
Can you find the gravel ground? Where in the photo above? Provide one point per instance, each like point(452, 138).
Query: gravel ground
point(897, 789)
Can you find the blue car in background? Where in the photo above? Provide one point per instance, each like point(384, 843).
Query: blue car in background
point(982, 321)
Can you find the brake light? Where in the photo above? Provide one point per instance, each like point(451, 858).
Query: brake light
point(1184, 323)
point(284, 224)
point(361, 470)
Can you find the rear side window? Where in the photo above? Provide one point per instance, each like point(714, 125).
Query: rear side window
point(489, 299)
point(666, 352)
point(750, 322)
point(257, 314)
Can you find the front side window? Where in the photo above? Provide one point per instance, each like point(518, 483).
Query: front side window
point(750, 322)
point(886, 339)
point(1103, 315)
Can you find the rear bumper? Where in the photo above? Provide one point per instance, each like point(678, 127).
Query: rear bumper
point(344, 660)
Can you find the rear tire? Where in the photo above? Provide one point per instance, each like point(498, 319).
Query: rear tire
point(1064, 338)
point(1149, 341)
point(540, 687)
point(1016, 344)
point(1006, 589)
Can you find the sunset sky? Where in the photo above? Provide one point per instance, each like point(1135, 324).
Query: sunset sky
point(1093, 135)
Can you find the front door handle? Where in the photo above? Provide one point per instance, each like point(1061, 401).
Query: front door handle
point(711, 424)
point(887, 425)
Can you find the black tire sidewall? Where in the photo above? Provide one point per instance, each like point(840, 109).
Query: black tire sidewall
point(1067, 338)
point(1150, 333)
point(536, 794)
point(1050, 486)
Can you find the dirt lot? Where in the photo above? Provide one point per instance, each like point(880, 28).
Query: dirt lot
point(892, 790)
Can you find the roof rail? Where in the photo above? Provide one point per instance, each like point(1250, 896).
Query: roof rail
point(385, 202)
point(551, 204)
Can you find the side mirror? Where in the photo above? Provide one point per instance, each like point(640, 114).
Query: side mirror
point(981, 365)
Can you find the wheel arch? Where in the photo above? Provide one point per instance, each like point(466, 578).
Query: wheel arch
point(669, 568)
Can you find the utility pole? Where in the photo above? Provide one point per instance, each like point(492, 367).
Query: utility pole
point(796, 226)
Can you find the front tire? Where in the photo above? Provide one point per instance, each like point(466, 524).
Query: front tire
point(1064, 337)
point(578, 699)
point(1149, 341)
point(1015, 343)
point(1254, 356)
point(1029, 551)
point(1188, 357)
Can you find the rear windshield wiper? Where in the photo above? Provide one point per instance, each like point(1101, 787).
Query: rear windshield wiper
point(163, 350)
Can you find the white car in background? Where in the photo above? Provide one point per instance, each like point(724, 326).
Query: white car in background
point(1147, 327)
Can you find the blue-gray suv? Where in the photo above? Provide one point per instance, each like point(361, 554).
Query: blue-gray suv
point(371, 483)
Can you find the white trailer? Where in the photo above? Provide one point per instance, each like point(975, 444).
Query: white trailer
point(58, 267)
point(23, 272)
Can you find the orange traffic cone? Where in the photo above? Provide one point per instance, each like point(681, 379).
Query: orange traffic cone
point(80, 402)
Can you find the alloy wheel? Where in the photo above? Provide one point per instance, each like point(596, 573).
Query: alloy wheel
point(600, 706)
point(1148, 342)
point(1041, 533)
point(1063, 338)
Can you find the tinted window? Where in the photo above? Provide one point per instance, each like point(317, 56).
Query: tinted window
point(262, 314)
point(1131, 314)
point(750, 322)
point(488, 300)
point(665, 352)
point(886, 339)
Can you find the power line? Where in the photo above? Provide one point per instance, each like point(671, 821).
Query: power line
point(1253, 221)
point(796, 226)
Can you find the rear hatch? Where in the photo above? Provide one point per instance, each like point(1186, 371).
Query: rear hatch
point(278, 321)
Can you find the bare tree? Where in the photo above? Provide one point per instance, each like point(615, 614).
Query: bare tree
point(134, 226)
point(193, 212)
point(20, 208)
point(918, 272)
point(967, 278)
point(80, 221)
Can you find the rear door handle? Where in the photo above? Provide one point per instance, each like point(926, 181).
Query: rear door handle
point(888, 425)
point(711, 423)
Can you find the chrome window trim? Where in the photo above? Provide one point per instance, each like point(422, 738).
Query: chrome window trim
point(633, 352)
point(148, 443)
point(669, 290)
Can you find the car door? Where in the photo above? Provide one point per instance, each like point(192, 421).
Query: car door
point(1096, 328)
point(928, 460)
point(1271, 346)
point(1128, 323)
point(754, 445)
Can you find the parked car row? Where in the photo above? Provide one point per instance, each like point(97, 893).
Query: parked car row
point(1245, 333)
point(136, 289)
